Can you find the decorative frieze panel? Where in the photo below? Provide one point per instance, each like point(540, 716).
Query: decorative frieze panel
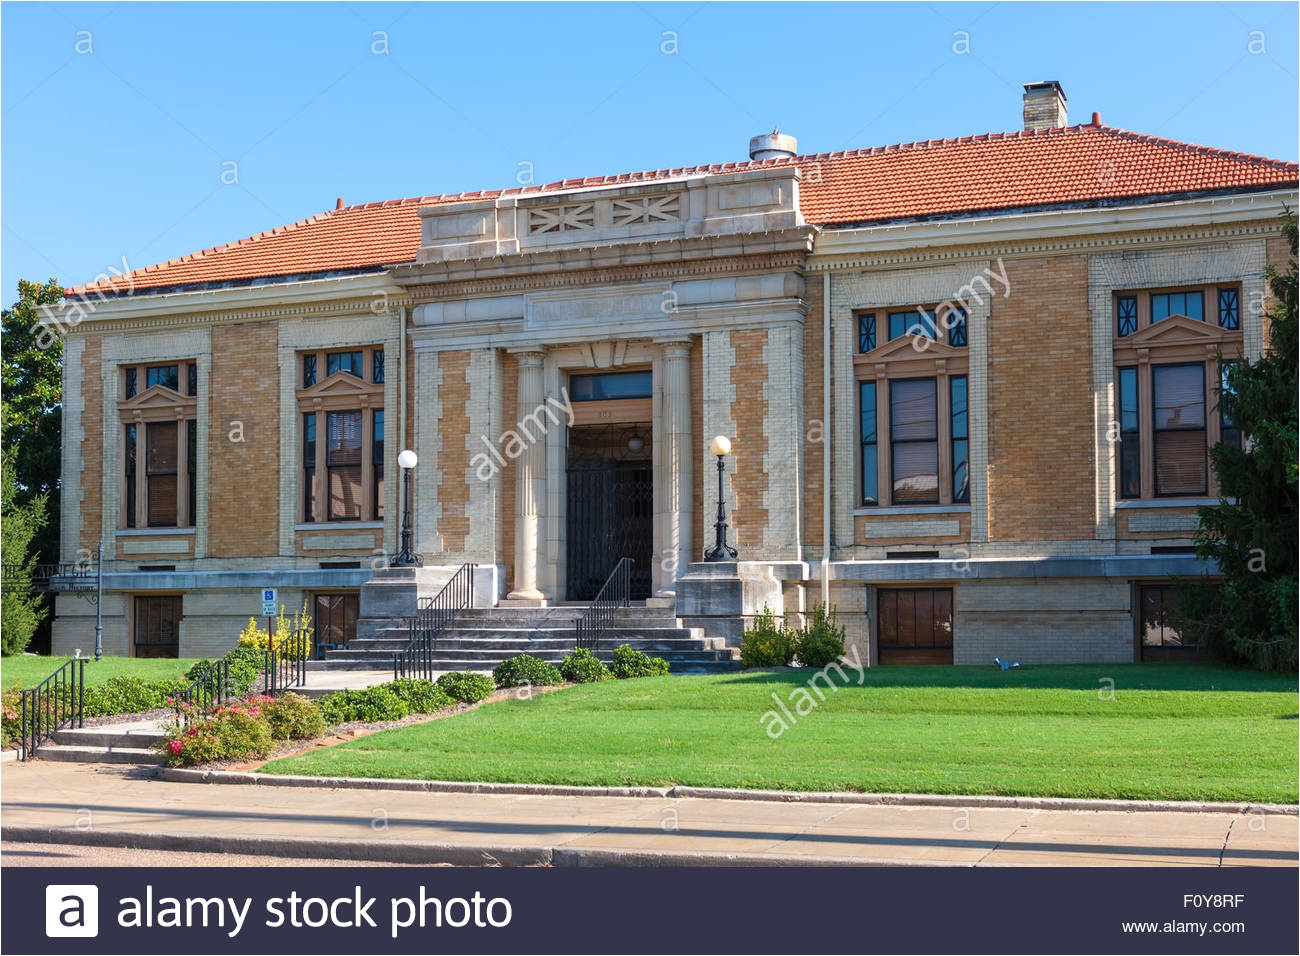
point(647, 209)
point(565, 217)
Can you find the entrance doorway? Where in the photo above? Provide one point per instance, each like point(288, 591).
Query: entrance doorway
point(610, 513)
point(914, 626)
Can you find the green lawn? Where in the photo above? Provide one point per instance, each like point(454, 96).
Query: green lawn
point(1169, 732)
point(30, 670)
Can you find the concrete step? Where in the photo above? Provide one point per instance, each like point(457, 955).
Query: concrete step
point(69, 754)
point(90, 737)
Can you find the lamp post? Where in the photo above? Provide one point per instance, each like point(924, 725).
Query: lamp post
point(721, 446)
point(405, 558)
point(99, 600)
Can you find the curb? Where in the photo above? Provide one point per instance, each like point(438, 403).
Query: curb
point(395, 851)
point(250, 778)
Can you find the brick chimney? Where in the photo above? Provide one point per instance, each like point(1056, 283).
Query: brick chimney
point(1045, 105)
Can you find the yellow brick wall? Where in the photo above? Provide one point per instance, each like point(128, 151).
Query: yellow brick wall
point(453, 492)
point(1040, 404)
point(509, 416)
point(243, 477)
point(748, 375)
point(697, 433)
point(814, 464)
point(92, 442)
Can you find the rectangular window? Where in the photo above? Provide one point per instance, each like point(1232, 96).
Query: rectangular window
point(914, 322)
point(164, 375)
point(609, 385)
point(157, 625)
point(870, 445)
point(309, 370)
point(1229, 434)
point(955, 319)
point(192, 466)
point(334, 618)
point(160, 470)
point(960, 440)
point(1130, 449)
point(377, 366)
point(309, 467)
point(1178, 405)
point(349, 362)
point(914, 625)
point(192, 379)
point(914, 441)
point(1126, 310)
point(1158, 632)
point(343, 465)
point(1229, 309)
point(377, 459)
point(866, 331)
point(130, 473)
point(131, 379)
point(1165, 304)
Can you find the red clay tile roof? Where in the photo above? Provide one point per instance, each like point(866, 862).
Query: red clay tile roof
point(995, 171)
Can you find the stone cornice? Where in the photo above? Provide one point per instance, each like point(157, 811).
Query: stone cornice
point(561, 268)
point(1057, 231)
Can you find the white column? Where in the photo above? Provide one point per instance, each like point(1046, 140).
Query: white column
point(530, 482)
point(674, 547)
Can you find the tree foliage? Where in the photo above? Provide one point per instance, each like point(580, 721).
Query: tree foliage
point(20, 611)
point(31, 420)
point(1249, 616)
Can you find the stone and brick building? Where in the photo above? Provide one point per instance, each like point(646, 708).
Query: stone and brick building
point(969, 384)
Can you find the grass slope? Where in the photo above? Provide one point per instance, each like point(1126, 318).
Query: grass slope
point(1168, 732)
point(30, 670)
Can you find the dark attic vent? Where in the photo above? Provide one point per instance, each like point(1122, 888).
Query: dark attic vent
point(909, 555)
point(340, 565)
point(157, 567)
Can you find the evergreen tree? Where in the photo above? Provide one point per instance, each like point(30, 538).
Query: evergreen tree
point(1249, 616)
point(20, 611)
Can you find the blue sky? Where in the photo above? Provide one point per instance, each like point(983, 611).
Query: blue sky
point(119, 120)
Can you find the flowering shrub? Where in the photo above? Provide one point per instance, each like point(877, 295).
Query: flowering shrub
point(232, 731)
point(291, 716)
point(299, 625)
point(11, 713)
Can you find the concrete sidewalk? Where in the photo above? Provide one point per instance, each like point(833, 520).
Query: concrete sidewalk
point(105, 805)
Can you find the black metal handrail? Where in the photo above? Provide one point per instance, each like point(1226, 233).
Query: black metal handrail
point(209, 690)
point(433, 616)
point(615, 593)
point(286, 664)
point(56, 702)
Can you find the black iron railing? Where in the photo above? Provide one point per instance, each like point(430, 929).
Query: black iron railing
point(615, 593)
point(54, 703)
point(206, 692)
point(286, 665)
point(434, 616)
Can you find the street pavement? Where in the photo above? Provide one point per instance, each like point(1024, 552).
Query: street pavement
point(117, 806)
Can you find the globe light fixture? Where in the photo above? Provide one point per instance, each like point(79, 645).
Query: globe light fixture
point(405, 558)
point(721, 551)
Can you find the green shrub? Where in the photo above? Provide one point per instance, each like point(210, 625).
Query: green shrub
point(244, 667)
point(629, 662)
point(421, 696)
point(232, 731)
point(583, 667)
point(464, 686)
point(130, 695)
point(821, 640)
point(368, 704)
point(11, 713)
point(767, 642)
point(290, 716)
point(526, 669)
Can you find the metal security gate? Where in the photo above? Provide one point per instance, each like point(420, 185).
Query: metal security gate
point(610, 515)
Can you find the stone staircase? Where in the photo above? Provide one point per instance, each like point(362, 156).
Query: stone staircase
point(483, 637)
point(110, 744)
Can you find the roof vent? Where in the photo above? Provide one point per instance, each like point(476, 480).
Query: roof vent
point(339, 203)
point(1045, 105)
point(773, 145)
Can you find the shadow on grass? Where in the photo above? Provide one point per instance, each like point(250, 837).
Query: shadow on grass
point(1189, 676)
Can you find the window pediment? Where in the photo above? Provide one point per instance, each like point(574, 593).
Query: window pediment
point(157, 402)
point(909, 349)
point(1177, 330)
point(341, 388)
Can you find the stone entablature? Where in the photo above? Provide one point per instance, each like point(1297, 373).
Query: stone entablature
point(752, 201)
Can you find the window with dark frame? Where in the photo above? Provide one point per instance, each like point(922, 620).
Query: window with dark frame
point(377, 366)
point(1126, 310)
point(870, 445)
point(1229, 434)
point(1156, 622)
point(309, 370)
point(343, 465)
point(1229, 308)
point(1130, 439)
point(866, 331)
point(377, 460)
point(1178, 410)
point(956, 321)
point(1166, 304)
point(130, 474)
point(159, 448)
point(156, 625)
point(349, 362)
point(309, 466)
point(914, 441)
point(960, 440)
